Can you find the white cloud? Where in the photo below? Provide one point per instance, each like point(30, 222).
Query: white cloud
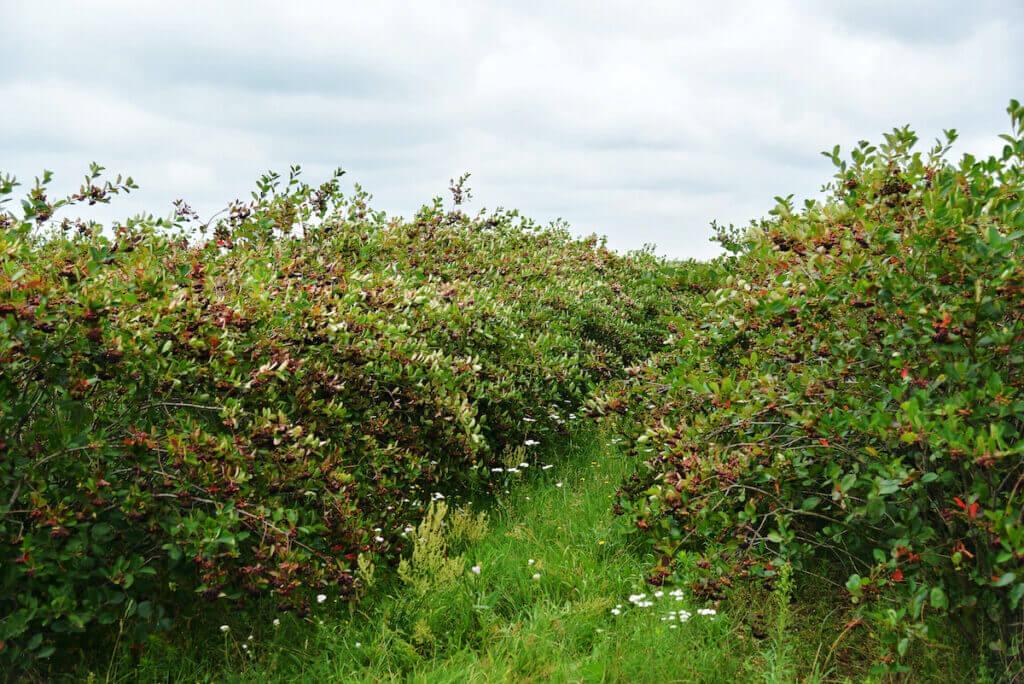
point(642, 121)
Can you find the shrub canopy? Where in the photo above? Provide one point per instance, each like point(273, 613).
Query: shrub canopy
point(845, 390)
point(245, 415)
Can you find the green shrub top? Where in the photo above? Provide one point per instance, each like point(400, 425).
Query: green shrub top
point(246, 415)
point(846, 390)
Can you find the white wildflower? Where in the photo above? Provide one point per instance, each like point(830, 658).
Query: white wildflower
point(320, 598)
point(225, 629)
point(475, 569)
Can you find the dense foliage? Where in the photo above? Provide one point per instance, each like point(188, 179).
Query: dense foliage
point(249, 414)
point(844, 394)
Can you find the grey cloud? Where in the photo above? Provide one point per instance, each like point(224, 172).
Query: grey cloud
point(642, 122)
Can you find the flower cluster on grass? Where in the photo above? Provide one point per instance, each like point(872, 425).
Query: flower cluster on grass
point(643, 600)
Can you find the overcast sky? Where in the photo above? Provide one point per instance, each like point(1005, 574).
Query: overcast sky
point(639, 120)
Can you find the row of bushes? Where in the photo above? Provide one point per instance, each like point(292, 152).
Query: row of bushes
point(843, 393)
point(254, 405)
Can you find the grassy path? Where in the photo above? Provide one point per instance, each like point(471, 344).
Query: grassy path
point(553, 568)
point(551, 602)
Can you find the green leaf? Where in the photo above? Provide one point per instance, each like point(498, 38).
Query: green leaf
point(810, 503)
point(1016, 594)
point(1004, 580)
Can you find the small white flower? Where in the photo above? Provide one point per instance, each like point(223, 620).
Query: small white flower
point(379, 539)
point(659, 594)
point(250, 638)
point(547, 467)
point(707, 611)
point(475, 569)
point(437, 496)
point(529, 420)
point(616, 611)
point(558, 484)
point(497, 470)
point(524, 465)
point(530, 562)
point(320, 598)
point(225, 629)
point(531, 442)
point(536, 576)
point(245, 647)
point(358, 645)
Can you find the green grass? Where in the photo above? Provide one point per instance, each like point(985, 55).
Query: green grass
point(504, 625)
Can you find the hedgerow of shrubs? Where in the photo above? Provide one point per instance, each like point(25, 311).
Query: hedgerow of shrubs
point(255, 405)
point(843, 393)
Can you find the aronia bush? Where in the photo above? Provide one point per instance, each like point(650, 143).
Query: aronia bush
point(258, 405)
point(843, 393)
